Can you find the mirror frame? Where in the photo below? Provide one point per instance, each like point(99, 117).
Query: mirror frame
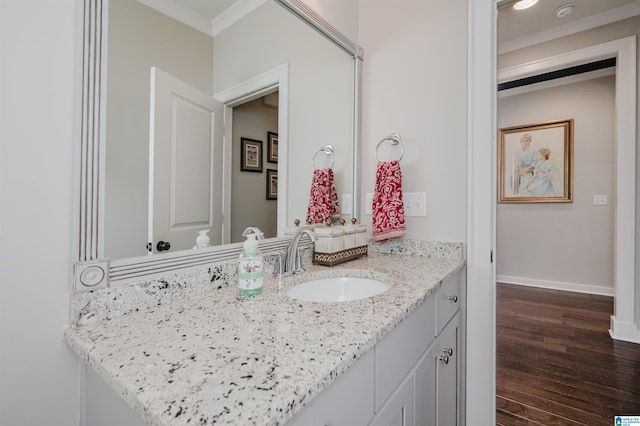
point(91, 270)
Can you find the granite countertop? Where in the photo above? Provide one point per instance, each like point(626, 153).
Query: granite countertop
point(210, 358)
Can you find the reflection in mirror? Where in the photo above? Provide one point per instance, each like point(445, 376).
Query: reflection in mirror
point(171, 148)
point(254, 202)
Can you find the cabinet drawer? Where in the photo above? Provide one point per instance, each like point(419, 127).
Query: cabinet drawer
point(398, 352)
point(448, 300)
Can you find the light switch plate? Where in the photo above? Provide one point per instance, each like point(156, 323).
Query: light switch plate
point(415, 203)
point(368, 209)
point(346, 206)
point(600, 200)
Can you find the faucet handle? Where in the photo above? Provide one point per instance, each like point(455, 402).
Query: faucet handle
point(278, 267)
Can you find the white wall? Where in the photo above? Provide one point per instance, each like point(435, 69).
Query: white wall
point(39, 374)
point(342, 14)
point(566, 246)
point(415, 74)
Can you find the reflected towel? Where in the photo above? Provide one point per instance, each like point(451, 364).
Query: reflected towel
point(323, 199)
point(388, 207)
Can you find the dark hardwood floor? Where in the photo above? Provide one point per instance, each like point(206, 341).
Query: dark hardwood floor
point(556, 364)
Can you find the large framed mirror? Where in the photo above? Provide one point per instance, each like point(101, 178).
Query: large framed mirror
point(148, 65)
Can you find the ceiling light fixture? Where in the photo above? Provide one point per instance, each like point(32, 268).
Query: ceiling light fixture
point(524, 4)
point(565, 10)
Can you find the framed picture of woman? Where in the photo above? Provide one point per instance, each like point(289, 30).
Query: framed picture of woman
point(535, 163)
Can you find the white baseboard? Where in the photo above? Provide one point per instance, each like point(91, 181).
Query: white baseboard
point(557, 285)
point(624, 331)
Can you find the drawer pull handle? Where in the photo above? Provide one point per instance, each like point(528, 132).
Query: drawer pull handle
point(448, 351)
point(454, 298)
point(444, 359)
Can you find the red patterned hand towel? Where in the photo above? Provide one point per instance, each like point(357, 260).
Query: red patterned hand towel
point(323, 199)
point(388, 208)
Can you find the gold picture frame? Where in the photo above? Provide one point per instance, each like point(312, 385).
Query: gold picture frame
point(535, 163)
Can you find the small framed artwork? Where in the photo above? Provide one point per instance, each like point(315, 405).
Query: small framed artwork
point(250, 155)
point(272, 147)
point(535, 163)
point(272, 184)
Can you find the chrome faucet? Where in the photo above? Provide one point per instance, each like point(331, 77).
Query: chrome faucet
point(293, 263)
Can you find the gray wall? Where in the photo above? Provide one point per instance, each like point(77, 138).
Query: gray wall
point(320, 91)
point(556, 244)
point(249, 204)
point(598, 35)
point(140, 38)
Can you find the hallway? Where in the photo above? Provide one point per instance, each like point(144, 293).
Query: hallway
point(556, 364)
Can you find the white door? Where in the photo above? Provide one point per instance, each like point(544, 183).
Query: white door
point(185, 164)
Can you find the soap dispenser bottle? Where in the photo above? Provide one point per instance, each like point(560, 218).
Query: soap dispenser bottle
point(203, 239)
point(250, 268)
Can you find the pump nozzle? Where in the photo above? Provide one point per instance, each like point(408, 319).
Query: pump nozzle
point(252, 230)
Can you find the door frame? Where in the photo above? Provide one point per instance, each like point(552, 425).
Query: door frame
point(622, 322)
point(276, 79)
point(481, 206)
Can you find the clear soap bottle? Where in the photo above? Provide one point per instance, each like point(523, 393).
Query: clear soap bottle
point(250, 269)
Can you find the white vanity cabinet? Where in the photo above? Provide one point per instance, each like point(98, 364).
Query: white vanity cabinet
point(417, 372)
point(414, 375)
point(437, 377)
point(347, 401)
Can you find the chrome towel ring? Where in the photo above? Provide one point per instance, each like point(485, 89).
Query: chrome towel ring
point(327, 150)
point(394, 139)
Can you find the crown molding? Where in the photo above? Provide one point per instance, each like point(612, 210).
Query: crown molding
point(181, 13)
point(232, 15)
point(594, 21)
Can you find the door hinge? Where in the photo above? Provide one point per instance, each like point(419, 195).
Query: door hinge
point(491, 257)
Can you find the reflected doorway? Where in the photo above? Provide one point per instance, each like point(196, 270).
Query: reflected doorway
point(254, 167)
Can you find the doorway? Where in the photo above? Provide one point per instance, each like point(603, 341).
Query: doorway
point(618, 265)
point(253, 202)
point(622, 322)
point(272, 81)
point(481, 205)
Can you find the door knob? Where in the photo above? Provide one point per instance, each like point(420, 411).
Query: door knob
point(163, 246)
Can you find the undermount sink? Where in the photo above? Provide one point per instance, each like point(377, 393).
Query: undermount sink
point(338, 289)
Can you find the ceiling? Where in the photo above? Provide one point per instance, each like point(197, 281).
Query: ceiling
point(514, 27)
point(541, 17)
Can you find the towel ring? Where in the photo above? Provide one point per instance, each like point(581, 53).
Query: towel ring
point(394, 139)
point(327, 150)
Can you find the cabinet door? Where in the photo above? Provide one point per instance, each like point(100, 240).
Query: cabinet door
point(347, 401)
point(447, 372)
point(399, 409)
point(426, 388)
point(436, 378)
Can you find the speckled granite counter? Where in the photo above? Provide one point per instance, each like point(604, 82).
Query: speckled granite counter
point(209, 358)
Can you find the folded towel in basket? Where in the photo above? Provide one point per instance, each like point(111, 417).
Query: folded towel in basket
point(323, 199)
point(388, 207)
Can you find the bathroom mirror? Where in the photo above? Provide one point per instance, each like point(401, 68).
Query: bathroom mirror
point(114, 180)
